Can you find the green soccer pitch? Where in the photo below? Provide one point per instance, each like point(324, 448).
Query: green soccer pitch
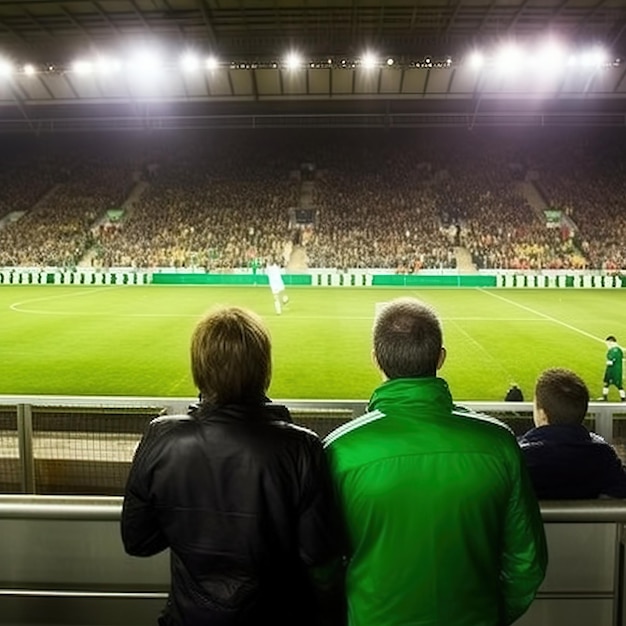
point(134, 340)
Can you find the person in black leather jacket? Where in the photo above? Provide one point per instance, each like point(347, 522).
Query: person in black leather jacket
point(239, 494)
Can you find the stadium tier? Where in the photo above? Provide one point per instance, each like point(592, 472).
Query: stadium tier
point(404, 201)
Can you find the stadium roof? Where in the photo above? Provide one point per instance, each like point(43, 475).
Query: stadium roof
point(421, 69)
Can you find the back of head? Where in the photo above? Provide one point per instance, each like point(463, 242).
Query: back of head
point(407, 339)
point(562, 395)
point(231, 357)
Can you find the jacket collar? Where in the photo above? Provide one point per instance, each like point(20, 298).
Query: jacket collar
point(265, 410)
point(412, 393)
point(557, 433)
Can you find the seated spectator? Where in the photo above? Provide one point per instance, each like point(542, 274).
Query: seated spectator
point(239, 494)
point(565, 460)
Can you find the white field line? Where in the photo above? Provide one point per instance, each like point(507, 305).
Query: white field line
point(19, 307)
point(545, 316)
point(16, 306)
point(482, 348)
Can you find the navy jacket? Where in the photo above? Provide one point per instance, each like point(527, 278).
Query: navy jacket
point(571, 463)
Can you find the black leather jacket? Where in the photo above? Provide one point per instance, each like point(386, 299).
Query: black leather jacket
point(242, 498)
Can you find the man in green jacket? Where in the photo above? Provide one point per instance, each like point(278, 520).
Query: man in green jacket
point(442, 525)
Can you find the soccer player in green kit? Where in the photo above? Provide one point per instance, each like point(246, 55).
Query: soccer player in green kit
point(613, 371)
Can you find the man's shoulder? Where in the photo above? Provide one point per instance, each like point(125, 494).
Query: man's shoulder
point(352, 427)
point(483, 421)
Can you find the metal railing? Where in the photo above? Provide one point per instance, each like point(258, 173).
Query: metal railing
point(48, 444)
point(64, 556)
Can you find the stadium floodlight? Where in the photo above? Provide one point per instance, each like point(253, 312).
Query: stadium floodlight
point(145, 63)
point(189, 62)
point(211, 63)
point(29, 69)
point(509, 59)
point(390, 61)
point(551, 56)
point(593, 58)
point(369, 60)
point(6, 68)
point(476, 60)
point(107, 65)
point(82, 68)
point(293, 61)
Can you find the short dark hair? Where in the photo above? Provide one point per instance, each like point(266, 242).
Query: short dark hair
point(610, 338)
point(563, 396)
point(407, 339)
point(231, 359)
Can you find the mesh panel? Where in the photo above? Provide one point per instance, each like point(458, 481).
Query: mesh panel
point(85, 452)
point(619, 435)
point(10, 474)
point(322, 421)
point(89, 451)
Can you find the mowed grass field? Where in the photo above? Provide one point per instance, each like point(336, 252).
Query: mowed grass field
point(134, 340)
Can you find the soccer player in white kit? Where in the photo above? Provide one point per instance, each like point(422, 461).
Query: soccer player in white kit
point(277, 286)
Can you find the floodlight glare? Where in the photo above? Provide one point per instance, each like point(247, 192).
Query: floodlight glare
point(551, 56)
point(6, 69)
point(29, 69)
point(476, 60)
point(106, 65)
point(369, 60)
point(509, 59)
point(593, 58)
point(82, 68)
point(211, 63)
point(145, 63)
point(390, 61)
point(293, 61)
point(189, 62)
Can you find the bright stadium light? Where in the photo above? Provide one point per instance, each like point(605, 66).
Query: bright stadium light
point(551, 56)
point(390, 61)
point(476, 60)
point(189, 62)
point(212, 63)
point(369, 60)
point(82, 68)
point(6, 68)
point(293, 61)
point(29, 69)
point(509, 59)
point(145, 63)
point(107, 65)
point(593, 58)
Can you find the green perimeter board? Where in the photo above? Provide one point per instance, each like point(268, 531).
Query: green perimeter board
point(134, 340)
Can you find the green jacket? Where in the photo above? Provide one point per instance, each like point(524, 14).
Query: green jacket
point(442, 525)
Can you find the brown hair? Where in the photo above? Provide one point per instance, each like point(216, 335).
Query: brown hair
point(407, 339)
point(562, 395)
point(231, 359)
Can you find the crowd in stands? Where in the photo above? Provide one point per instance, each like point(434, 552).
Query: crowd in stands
point(402, 202)
point(375, 208)
point(590, 187)
point(61, 197)
point(217, 213)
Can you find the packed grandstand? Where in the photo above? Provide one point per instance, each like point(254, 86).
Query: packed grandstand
point(400, 200)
